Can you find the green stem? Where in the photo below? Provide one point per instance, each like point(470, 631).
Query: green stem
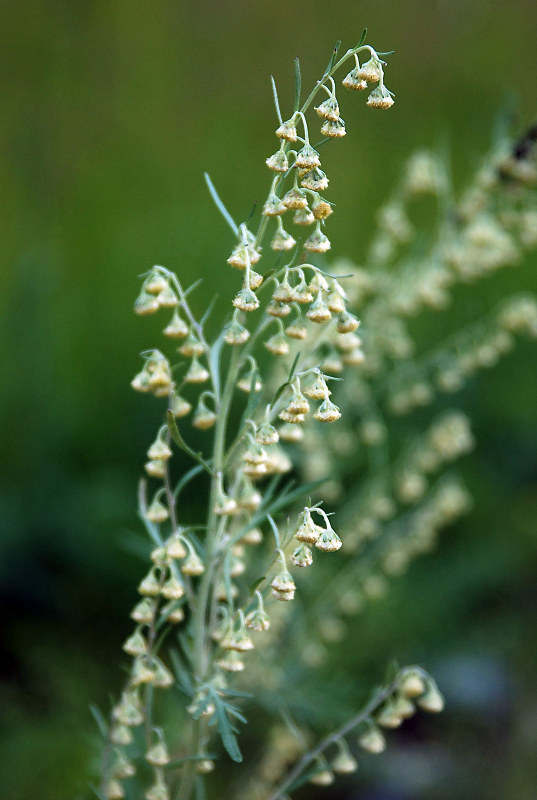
point(332, 738)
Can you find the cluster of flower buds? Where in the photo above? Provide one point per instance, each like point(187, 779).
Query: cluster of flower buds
point(296, 157)
point(370, 71)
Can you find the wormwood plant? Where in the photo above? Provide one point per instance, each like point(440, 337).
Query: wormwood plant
point(264, 389)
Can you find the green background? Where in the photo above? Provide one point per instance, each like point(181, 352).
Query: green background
point(111, 111)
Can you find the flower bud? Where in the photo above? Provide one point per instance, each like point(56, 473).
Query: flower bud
point(254, 471)
point(157, 755)
point(315, 180)
point(191, 346)
point(307, 158)
point(403, 706)
point(243, 255)
point(317, 242)
point(333, 128)
point(159, 450)
point(380, 98)
point(252, 537)
point(173, 589)
point(266, 434)
point(236, 333)
point(163, 677)
point(344, 763)
point(335, 302)
point(273, 206)
point(257, 620)
point(291, 433)
point(388, 717)
point(157, 512)
point(177, 327)
point(143, 611)
point(158, 791)
point(247, 383)
point(347, 322)
point(196, 373)
point(287, 130)
point(302, 556)
point(231, 662)
point(354, 358)
point(372, 740)
point(321, 209)
point(353, 81)
point(145, 304)
point(140, 382)
point(432, 701)
point(329, 109)
point(285, 596)
point(175, 547)
point(179, 406)
point(303, 216)
point(295, 198)
point(246, 300)
point(298, 404)
point(327, 412)
point(156, 469)
point(307, 531)
point(371, 71)
point(412, 683)
point(128, 711)
point(204, 766)
point(318, 311)
point(225, 506)
point(275, 309)
point(282, 241)
point(135, 645)
point(142, 671)
point(192, 565)
point(160, 377)
point(283, 582)
point(120, 734)
point(241, 641)
point(277, 344)
point(291, 418)
point(172, 613)
point(302, 293)
point(328, 541)
point(114, 790)
point(323, 778)
point(278, 161)
point(319, 389)
point(167, 297)
point(296, 330)
point(203, 418)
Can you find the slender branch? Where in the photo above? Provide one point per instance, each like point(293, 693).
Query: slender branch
point(332, 738)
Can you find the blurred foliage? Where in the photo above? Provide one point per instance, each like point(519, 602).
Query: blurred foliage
point(111, 112)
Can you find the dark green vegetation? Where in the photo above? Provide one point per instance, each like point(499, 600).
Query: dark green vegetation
point(111, 113)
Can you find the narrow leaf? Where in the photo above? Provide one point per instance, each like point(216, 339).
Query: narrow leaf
point(180, 442)
point(275, 530)
point(281, 389)
point(185, 480)
point(298, 83)
point(332, 59)
point(276, 101)
point(219, 204)
point(100, 720)
point(229, 740)
point(362, 39)
point(181, 673)
point(255, 584)
point(214, 360)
